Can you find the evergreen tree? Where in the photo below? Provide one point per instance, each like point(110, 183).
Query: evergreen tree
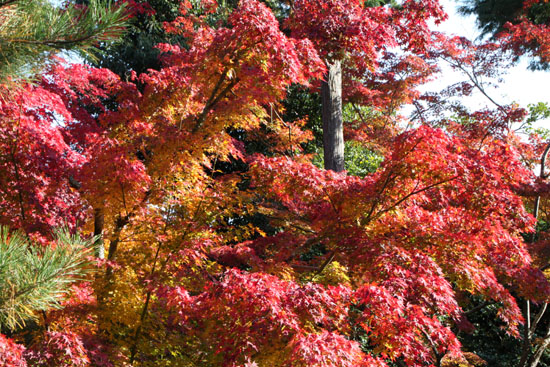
point(521, 23)
point(492, 14)
point(136, 51)
point(36, 278)
point(32, 30)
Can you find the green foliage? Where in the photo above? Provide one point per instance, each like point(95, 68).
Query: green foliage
point(31, 31)
point(491, 14)
point(280, 9)
point(372, 3)
point(537, 112)
point(539, 13)
point(302, 103)
point(489, 340)
point(137, 51)
point(37, 278)
point(359, 161)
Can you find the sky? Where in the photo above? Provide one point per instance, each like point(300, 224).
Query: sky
point(519, 85)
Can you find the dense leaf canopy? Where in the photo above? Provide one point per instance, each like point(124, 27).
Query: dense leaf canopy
point(225, 244)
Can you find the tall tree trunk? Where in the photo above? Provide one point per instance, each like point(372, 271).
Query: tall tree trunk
point(99, 222)
point(333, 130)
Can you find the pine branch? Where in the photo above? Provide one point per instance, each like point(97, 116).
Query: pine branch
point(35, 278)
point(32, 31)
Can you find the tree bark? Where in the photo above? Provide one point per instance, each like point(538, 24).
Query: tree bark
point(333, 129)
point(535, 358)
point(99, 222)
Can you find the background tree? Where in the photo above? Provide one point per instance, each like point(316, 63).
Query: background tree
point(356, 33)
point(492, 15)
point(521, 25)
point(137, 50)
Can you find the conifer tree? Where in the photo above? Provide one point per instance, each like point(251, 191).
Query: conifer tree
point(35, 278)
point(32, 30)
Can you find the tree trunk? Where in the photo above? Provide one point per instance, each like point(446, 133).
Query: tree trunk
point(333, 130)
point(99, 221)
point(535, 358)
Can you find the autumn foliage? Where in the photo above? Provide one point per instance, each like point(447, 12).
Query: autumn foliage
point(224, 245)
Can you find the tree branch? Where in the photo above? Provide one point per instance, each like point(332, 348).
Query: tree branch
point(214, 98)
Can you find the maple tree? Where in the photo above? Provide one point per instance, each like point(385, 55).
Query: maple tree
point(357, 32)
point(272, 261)
point(520, 27)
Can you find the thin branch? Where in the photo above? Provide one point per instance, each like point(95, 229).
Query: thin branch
point(391, 176)
point(473, 78)
point(214, 98)
point(16, 171)
point(133, 350)
point(143, 315)
point(58, 44)
point(479, 307)
point(329, 259)
point(300, 228)
point(537, 319)
point(416, 192)
point(123, 196)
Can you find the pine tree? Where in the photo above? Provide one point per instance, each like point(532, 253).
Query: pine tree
point(492, 14)
point(35, 278)
point(32, 30)
point(521, 25)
